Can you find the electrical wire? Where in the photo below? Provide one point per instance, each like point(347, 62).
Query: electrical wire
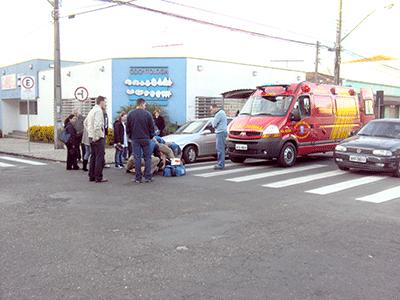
point(235, 18)
point(72, 15)
point(234, 29)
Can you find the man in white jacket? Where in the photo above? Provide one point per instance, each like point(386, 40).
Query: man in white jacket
point(95, 129)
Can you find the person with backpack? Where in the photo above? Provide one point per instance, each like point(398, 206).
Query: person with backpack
point(120, 139)
point(140, 128)
point(71, 143)
point(220, 124)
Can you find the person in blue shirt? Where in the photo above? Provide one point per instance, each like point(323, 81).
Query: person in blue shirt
point(220, 124)
point(140, 129)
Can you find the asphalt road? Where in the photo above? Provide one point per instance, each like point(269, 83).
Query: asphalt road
point(250, 232)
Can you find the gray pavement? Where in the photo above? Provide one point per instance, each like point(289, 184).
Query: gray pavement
point(249, 232)
point(40, 150)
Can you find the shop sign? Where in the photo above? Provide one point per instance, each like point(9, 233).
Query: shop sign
point(150, 83)
point(9, 82)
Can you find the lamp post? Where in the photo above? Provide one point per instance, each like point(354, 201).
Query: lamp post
point(339, 39)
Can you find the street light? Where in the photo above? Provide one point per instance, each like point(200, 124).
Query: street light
point(339, 39)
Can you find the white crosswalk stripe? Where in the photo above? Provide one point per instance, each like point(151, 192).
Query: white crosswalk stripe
point(194, 169)
point(5, 165)
point(303, 179)
point(274, 173)
point(24, 161)
point(345, 185)
point(232, 171)
point(383, 196)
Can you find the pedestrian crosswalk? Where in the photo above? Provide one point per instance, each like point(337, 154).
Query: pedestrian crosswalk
point(14, 162)
point(320, 179)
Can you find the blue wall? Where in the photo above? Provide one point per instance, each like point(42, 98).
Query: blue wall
point(160, 69)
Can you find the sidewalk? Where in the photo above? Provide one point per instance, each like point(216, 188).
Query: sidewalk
point(40, 150)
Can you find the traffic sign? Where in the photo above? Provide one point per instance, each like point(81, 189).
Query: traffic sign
point(28, 90)
point(81, 94)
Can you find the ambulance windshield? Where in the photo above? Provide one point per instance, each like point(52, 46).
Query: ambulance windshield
point(267, 106)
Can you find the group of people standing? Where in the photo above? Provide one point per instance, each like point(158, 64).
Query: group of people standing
point(136, 133)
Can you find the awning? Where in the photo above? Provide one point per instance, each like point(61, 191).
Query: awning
point(238, 94)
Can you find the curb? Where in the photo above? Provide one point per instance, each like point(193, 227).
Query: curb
point(41, 158)
point(32, 156)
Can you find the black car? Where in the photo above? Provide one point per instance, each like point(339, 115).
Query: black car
point(376, 147)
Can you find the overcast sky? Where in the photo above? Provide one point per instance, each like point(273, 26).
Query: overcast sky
point(126, 32)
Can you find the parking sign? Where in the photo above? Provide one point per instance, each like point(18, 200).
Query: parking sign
point(28, 90)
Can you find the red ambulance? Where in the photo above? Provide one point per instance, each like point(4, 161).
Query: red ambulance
point(286, 121)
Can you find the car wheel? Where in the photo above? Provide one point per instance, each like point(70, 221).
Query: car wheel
point(288, 155)
point(343, 168)
point(190, 154)
point(237, 159)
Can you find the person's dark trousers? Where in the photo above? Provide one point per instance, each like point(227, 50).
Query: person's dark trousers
point(141, 148)
point(72, 157)
point(130, 150)
point(118, 158)
point(97, 160)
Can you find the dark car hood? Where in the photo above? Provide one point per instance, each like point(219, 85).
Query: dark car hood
point(372, 142)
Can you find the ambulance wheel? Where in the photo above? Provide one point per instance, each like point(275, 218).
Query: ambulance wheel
point(237, 159)
point(190, 154)
point(288, 155)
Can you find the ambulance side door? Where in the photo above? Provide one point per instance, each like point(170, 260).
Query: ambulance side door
point(324, 121)
point(303, 129)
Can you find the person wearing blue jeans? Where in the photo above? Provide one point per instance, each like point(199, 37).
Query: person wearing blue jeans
point(140, 129)
point(142, 149)
point(220, 124)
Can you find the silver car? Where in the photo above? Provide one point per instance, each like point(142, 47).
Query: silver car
point(196, 139)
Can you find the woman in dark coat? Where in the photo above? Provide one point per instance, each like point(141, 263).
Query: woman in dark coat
point(160, 122)
point(119, 140)
point(72, 145)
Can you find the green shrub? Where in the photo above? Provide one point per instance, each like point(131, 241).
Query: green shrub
point(110, 137)
point(43, 134)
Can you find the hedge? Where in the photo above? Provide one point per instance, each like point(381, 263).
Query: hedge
point(43, 134)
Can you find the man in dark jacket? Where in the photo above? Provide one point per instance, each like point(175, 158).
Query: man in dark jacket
point(79, 133)
point(140, 129)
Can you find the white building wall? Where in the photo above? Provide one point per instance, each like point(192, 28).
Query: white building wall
point(208, 78)
point(10, 109)
point(96, 77)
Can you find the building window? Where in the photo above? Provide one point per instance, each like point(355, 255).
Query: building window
point(23, 107)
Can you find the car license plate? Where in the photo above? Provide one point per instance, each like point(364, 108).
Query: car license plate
point(357, 158)
point(240, 147)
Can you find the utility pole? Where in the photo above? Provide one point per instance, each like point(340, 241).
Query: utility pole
point(57, 76)
point(338, 47)
point(316, 62)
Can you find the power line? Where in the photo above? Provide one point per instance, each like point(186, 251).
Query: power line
point(73, 15)
point(233, 17)
point(234, 29)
